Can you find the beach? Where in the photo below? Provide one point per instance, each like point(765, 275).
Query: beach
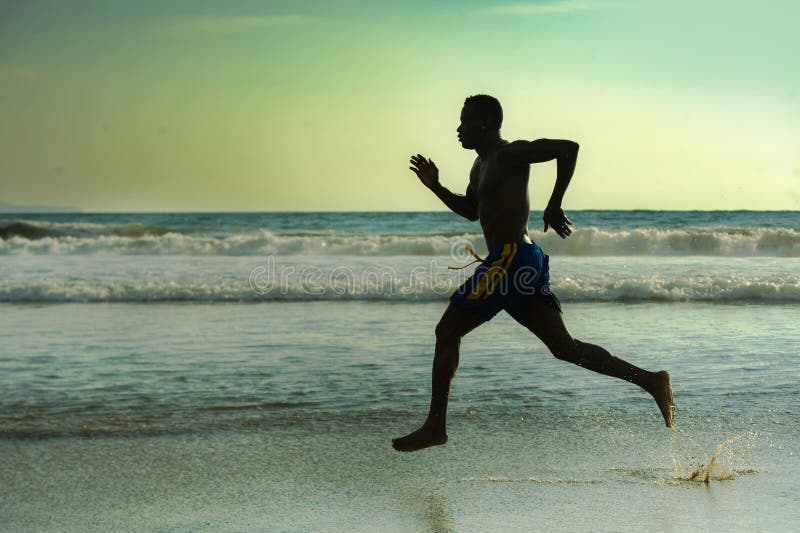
point(158, 377)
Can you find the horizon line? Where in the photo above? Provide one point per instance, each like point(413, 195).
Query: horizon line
point(79, 211)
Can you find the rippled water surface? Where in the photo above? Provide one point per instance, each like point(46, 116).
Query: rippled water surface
point(278, 416)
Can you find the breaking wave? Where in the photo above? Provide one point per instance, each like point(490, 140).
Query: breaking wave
point(777, 290)
point(22, 237)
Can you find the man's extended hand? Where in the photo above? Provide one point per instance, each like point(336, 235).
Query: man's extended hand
point(425, 169)
point(555, 218)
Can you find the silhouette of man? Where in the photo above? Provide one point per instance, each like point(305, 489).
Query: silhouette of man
point(515, 275)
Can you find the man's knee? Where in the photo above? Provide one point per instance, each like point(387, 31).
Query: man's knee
point(567, 349)
point(446, 352)
point(446, 333)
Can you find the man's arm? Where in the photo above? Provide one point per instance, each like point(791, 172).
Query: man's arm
point(566, 155)
point(464, 205)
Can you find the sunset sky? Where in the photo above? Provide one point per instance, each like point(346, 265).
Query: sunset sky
point(316, 105)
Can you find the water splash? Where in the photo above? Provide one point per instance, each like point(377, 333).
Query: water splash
point(722, 463)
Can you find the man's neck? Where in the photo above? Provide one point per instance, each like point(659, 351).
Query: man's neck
point(488, 147)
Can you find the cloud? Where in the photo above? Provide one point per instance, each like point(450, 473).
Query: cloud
point(224, 24)
point(542, 8)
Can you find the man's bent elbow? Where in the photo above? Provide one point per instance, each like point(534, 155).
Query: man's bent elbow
point(572, 147)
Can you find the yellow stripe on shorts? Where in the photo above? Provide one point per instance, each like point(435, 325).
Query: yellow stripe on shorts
point(494, 281)
point(493, 269)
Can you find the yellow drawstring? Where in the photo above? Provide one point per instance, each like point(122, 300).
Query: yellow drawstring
point(478, 259)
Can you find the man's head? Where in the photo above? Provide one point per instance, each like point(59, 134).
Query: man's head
point(481, 119)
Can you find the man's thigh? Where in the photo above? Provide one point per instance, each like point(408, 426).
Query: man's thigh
point(457, 323)
point(544, 320)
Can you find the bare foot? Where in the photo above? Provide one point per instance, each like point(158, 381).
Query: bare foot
point(421, 438)
point(662, 392)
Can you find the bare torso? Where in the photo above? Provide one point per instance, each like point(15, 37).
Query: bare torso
point(503, 202)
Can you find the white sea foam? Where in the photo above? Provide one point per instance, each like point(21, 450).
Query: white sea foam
point(322, 286)
point(695, 288)
point(591, 241)
point(254, 243)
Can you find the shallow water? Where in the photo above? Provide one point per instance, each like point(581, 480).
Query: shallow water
point(278, 416)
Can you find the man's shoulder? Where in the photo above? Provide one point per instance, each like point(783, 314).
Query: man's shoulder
point(514, 145)
point(509, 153)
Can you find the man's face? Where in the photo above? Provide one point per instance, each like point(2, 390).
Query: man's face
point(471, 130)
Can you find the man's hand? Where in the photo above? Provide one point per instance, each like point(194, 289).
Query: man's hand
point(555, 218)
point(465, 205)
point(425, 169)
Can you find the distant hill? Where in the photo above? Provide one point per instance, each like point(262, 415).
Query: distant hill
point(14, 208)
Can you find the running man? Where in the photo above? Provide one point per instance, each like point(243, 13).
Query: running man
point(515, 275)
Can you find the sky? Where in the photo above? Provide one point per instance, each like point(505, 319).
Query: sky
point(317, 105)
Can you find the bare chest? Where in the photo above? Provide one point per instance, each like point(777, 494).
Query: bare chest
point(488, 178)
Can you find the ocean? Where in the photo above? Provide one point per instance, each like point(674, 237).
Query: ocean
point(247, 371)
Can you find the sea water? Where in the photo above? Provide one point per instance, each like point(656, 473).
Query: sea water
point(237, 372)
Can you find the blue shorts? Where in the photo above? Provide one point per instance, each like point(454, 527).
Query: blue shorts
point(509, 277)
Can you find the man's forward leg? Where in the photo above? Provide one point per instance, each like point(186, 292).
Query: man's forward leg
point(546, 322)
point(453, 325)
